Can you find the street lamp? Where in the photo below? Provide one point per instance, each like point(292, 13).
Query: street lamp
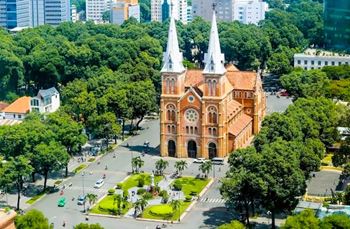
point(179, 205)
point(82, 175)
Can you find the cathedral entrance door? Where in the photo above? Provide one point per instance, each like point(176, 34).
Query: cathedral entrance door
point(212, 150)
point(192, 149)
point(171, 148)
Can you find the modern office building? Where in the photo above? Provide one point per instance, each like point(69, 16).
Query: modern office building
point(123, 10)
point(95, 10)
point(161, 10)
point(32, 13)
point(316, 59)
point(245, 11)
point(337, 24)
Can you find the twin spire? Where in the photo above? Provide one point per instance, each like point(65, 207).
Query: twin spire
point(214, 60)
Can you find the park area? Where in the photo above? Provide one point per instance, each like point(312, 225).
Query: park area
point(145, 195)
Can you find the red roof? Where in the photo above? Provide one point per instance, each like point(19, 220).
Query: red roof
point(21, 105)
point(233, 107)
point(193, 78)
point(3, 105)
point(237, 127)
point(242, 80)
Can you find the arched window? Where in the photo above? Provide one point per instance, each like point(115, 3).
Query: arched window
point(212, 115)
point(210, 88)
point(187, 130)
point(173, 129)
point(171, 113)
point(168, 127)
point(210, 131)
point(167, 85)
point(214, 88)
point(214, 131)
point(172, 86)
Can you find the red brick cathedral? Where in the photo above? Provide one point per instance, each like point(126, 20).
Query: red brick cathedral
point(211, 112)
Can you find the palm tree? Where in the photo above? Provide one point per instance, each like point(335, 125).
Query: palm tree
point(117, 199)
point(206, 167)
point(161, 166)
point(141, 203)
point(175, 205)
point(137, 163)
point(92, 198)
point(180, 166)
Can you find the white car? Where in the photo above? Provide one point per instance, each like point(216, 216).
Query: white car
point(199, 160)
point(99, 183)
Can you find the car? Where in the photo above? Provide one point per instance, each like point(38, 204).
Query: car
point(81, 199)
point(218, 161)
point(99, 183)
point(61, 202)
point(199, 160)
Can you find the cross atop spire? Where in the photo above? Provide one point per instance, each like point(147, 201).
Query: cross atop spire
point(172, 57)
point(214, 60)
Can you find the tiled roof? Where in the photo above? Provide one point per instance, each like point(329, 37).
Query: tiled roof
point(48, 92)
point(21, 105)
point(237, 127)
point(3, 105)
point(242, 80)
point(193, 78)
point(233, 107)
point(9, 122)
point(231, 68)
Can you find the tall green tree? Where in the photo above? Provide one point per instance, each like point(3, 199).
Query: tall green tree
point(305, 219)
point(32, 219)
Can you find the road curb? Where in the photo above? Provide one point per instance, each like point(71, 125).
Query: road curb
point(157, 220)
point(103, 215)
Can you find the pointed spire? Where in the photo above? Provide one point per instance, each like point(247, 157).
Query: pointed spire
point(172, 58)
point(214, 60)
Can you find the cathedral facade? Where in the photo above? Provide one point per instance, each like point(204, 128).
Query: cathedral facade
point(211, 112)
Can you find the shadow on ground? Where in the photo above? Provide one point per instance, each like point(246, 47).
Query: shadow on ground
point(217, 216)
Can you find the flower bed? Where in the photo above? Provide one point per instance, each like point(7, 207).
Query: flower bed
point(164, 212)
point(107, 206)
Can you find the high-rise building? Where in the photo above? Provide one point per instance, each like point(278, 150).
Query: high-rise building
point(123, 10)
point(248, 11)
point(337, 24)
point(245, 11)
point(32, 13)
point(95, 10)
point(156, 10)
point(189, 13)
point(161, 10)
point(56, 11)
point(74, 15)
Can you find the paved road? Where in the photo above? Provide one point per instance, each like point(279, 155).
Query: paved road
point(117, 170)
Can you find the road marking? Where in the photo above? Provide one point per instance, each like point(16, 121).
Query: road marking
point(88, 189)
point(212, 200)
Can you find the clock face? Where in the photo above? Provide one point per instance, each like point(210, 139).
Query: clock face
point(191, 115)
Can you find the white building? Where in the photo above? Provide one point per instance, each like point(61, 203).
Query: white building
point(177, 8)
point(189, 14)
point(249, 11)
point(47, 101)
point(95, 9)
point(16, 110)
point(74, 15)
point(245, 11)
point(316, 59)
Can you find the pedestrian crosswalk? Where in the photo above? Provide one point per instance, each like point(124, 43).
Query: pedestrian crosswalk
point(88, 189)
point(212, 200)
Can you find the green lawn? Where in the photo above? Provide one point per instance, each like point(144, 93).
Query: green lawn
point(132, 181)
point(192, 184)
point(107, 206)
point(35, 198)
point(164, 212)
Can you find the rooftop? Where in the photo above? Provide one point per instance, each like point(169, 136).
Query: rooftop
point(3, 105)
point(321, 53)
point(21, 105)
point(48, 92)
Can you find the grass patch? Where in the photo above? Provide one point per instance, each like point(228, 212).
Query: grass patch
point(35, 198)
point(327, 160)
point(164, 212)
point(107, 206)
point(91, 159)
point(79, 168)
point(132, 181)
point(192, 184)
point(58, 182)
